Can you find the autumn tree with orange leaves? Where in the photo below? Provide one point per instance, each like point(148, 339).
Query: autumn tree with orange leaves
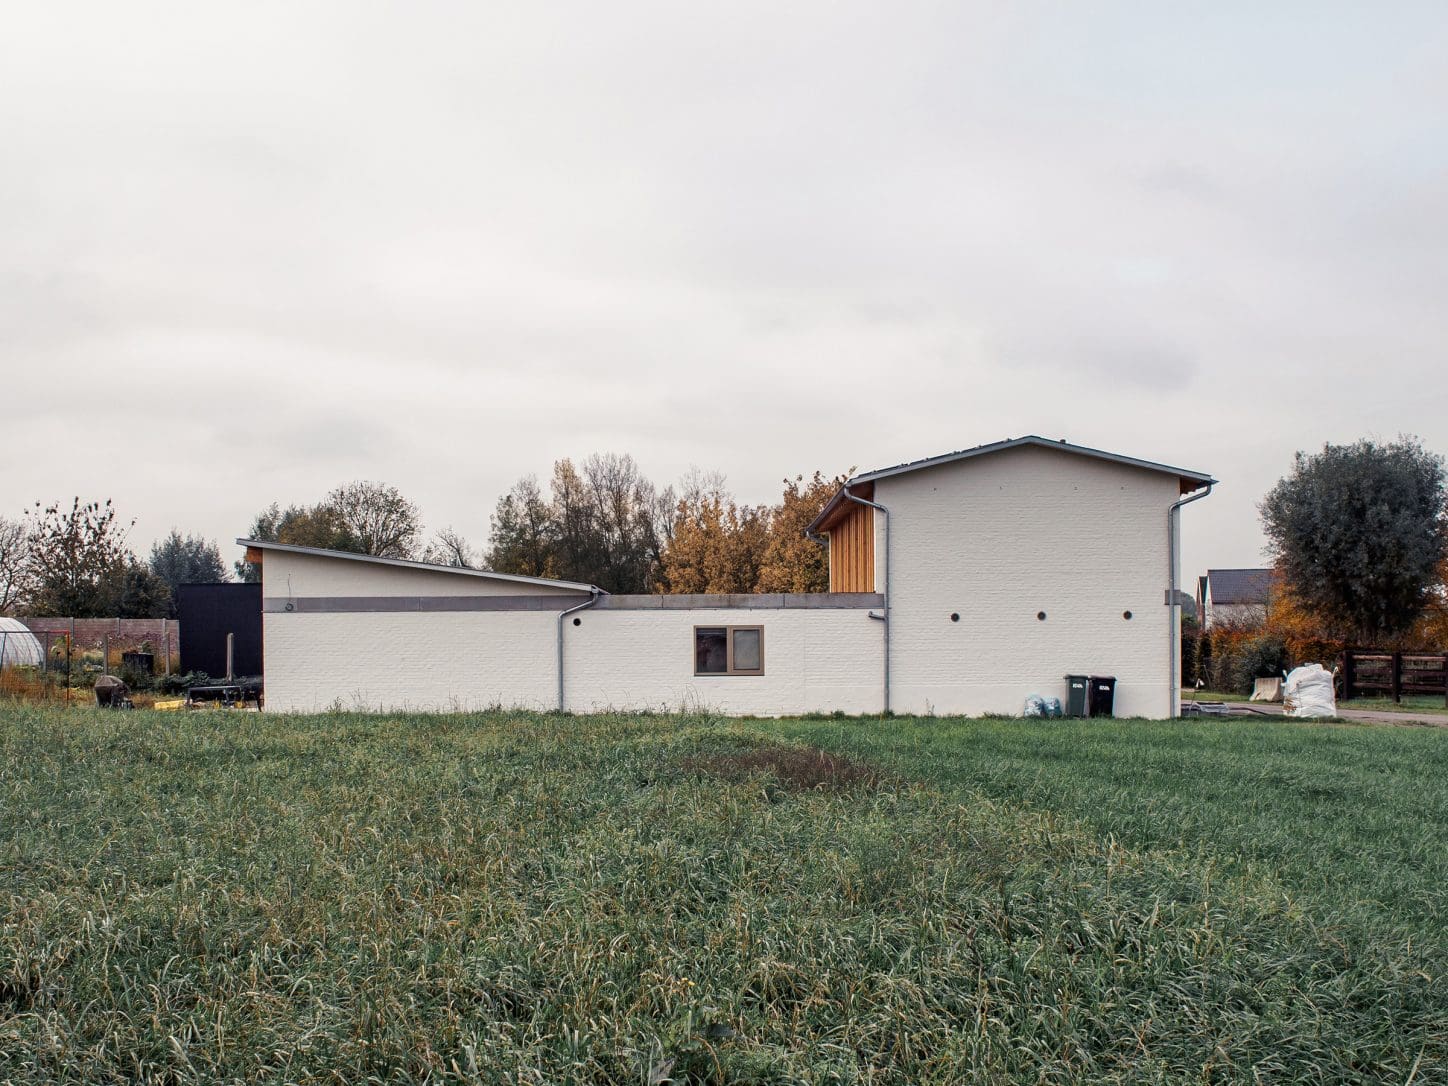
point(603, 523)
point(793, 562)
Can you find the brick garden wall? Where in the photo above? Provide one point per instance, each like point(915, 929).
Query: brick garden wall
point(126, 634)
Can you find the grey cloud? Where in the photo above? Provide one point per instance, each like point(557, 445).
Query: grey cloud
point(447, 245)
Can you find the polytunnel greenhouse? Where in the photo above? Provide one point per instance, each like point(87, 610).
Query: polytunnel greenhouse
point(18, 646)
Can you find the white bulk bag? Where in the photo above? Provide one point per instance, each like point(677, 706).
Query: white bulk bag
point(1308, 692)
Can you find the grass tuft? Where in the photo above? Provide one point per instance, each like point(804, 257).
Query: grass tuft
point(796, 769)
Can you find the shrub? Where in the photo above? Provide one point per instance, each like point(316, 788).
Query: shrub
point(180, 684)
point(1191, 640)
point(1260, 658)
point(1203, 670)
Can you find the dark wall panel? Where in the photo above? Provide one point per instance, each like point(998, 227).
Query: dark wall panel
point(207, 613)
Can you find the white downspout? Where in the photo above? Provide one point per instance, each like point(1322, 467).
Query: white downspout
point(594, 593)
point(1173, 521)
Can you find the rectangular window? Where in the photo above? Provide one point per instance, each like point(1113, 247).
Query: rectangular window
point(728, 650)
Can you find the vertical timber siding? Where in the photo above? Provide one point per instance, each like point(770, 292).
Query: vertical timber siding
point(852, 551)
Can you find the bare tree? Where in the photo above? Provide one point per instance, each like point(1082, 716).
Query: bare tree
point(623, 500)
point(523, 534)
point(378, 518)
point(79, 558)
point(449, 548)
point(16, 574)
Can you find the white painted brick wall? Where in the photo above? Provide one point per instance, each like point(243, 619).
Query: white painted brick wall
point(999, 538)
point(420, 660)
point(814, 661)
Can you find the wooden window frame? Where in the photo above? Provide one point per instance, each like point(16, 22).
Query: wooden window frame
point(729, 668)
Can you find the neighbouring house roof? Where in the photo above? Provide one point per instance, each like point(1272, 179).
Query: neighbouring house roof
point(431, 567)
point(1189, 480)
point(1234, 586)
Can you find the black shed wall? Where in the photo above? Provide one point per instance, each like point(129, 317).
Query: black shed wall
point(207, 613)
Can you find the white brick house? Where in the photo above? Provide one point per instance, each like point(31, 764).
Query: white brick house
point(1014, 565)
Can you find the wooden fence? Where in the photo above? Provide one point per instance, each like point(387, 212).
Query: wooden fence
point(1393, 674)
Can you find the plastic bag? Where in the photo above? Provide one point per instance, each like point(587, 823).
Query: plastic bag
point(1308, 691)
point(1053, 708)
point(1035, 706)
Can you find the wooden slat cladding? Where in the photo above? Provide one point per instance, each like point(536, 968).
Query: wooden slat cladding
point(852, 551)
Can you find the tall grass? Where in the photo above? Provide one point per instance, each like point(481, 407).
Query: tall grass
point(1353, 820)
point(524, 899)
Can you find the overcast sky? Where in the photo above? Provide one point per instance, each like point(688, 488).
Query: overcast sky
point(251, 251)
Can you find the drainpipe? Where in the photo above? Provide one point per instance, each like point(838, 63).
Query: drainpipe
point(1173, 520)
point(594, 593)
point(884, 614)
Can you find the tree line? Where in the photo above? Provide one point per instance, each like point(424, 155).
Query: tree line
point(73, 559)
point(600, 521)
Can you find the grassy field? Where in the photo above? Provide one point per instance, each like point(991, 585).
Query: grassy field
point(535, 899)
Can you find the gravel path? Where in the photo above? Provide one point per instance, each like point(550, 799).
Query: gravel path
point(1375, 716)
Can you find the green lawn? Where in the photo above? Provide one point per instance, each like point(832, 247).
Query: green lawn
point(537, 899)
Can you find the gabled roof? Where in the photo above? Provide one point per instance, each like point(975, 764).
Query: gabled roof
point(431, 567)
point(1231, 586)
point(1189, 480)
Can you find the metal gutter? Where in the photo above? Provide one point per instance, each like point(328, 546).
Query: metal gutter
point(1173, 521)
point(884, 615)
point(592, 599)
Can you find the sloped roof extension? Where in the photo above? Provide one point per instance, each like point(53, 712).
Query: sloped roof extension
point(431, 567)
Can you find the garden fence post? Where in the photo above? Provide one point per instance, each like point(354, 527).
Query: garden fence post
point(1397, 677)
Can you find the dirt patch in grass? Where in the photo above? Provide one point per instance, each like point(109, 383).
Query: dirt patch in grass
point(797, 769)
